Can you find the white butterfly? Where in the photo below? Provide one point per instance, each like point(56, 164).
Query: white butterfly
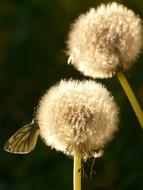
point(24, 140)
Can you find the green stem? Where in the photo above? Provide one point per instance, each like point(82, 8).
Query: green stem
point(77, 172)
point(130, 94)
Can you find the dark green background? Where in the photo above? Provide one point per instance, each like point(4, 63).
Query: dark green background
point(32, 58)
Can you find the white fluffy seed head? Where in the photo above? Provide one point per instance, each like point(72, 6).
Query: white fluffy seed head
point(78, 117)
point(105, 40)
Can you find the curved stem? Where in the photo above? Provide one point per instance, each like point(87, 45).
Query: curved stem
point(130, 94)
point(77, 172)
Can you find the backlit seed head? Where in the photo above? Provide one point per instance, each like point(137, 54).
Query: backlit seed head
point(78, 117)
point(105, 40)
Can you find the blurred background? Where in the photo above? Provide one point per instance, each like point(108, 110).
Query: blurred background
point(32, 58)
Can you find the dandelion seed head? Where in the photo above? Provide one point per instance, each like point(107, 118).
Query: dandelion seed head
point(105, 40)
point(78, 117)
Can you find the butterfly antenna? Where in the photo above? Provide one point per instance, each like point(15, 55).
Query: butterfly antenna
point(34, 120)
point(34, 113)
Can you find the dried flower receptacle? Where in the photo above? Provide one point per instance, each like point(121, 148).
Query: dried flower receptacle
point(105, 40)
point(74, 117)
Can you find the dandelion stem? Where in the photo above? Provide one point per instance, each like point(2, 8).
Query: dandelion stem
point(77, 172)
point(130, 94)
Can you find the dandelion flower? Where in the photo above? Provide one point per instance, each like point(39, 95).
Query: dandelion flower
point(105, 40)
point(78, 117)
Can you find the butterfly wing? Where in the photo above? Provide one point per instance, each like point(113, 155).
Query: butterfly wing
point(24, 140)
